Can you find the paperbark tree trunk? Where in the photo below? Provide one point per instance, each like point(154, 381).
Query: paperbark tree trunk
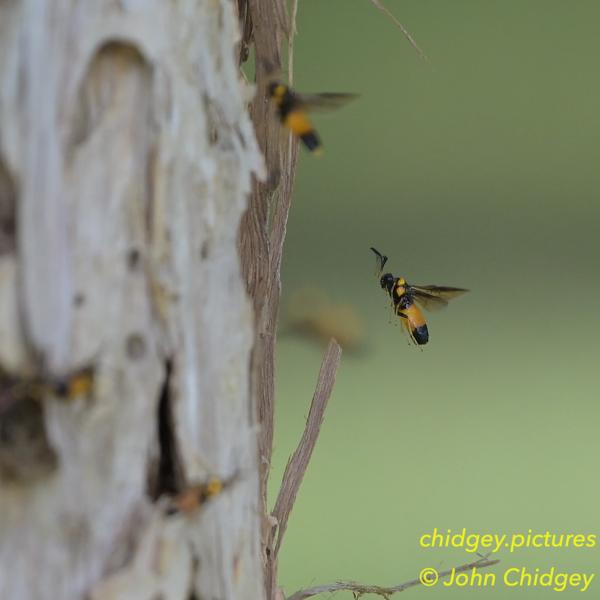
point(126, 157)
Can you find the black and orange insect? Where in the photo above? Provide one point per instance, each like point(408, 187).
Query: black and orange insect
point(77, 384)
point(293, 109)
point(25, 452)
point(311, 313)
point(197, 495)
point(407, 298)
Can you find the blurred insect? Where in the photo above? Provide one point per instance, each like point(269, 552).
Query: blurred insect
point(76, 384)
point(25, 452)
point(406, 298)
point(67, 387)
point(313, 314)
point(293, 107)
point(194, 497)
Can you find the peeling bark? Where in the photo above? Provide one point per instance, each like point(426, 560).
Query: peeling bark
point(262, 235)
point(126, 157)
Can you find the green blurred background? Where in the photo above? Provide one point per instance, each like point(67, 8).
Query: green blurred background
point(477, 169)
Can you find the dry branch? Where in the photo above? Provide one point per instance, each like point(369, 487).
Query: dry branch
point(298, 463)
point(409, 37)
point(358, 589)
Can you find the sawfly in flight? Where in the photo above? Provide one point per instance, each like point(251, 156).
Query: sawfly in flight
point(407, 300)
point(293, 109)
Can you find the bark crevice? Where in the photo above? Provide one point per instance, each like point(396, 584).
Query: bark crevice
point(166, 477)
point(8, 202)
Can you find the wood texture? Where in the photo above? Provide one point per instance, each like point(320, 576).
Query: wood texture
point(126, 156)
point(298, 462)
point(262, 235)
point(360, 589)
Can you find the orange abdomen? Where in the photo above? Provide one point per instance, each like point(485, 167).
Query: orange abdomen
point(300, 125)
point(298, 122)
point(416, 324)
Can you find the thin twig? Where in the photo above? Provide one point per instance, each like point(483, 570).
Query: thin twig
point(358, 589)
point(409, 37)
point(296, 467)
point(291, 36)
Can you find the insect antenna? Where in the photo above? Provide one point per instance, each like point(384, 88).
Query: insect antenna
point(381, 260)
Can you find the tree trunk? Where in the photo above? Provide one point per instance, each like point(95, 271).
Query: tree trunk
point(126, 157)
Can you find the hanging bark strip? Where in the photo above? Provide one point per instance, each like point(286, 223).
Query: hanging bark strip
point(263, 227)
point(298, 462)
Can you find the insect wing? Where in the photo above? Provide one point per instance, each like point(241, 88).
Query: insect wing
point(323, 102)
point(434, 297)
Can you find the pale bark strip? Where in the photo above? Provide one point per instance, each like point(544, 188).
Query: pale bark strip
point(298, 462)
point(125, 139)
point(358, 589)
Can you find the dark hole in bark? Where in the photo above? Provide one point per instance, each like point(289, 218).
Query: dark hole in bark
point(168, 476)
point(79, 299)
point(8, 200)
point(136, 346)
point(133, 259)
point(212, 120)
point(205, 250)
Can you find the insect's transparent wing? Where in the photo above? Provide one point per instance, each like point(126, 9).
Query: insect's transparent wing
point(435, 297)
point(323, 102)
